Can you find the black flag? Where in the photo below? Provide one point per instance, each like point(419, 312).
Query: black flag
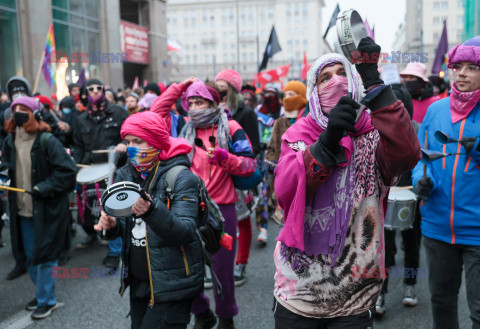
point(273, 47)
point(333, 20)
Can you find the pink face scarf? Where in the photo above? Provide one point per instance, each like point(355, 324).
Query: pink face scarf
point(462, 103)
point(329, 96)
point(143, 159)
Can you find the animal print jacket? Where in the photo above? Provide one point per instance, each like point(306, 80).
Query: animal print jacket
point(354, 283)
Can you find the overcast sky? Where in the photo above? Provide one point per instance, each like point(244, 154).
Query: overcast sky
point(385, 16)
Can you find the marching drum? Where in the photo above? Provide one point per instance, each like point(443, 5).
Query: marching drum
point(92, 182)
point(401, 209)
point(118, 199)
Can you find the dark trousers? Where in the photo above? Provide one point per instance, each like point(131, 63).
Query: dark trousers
point(285, 319)
point(168, 315)
point(445, 263)
point(411, 239)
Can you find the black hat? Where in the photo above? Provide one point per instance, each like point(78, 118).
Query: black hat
point(152, 87)
point(71, 86)
point(67, 102)
point(93, 81)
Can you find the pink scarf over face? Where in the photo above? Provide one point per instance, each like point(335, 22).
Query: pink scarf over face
point(462, 103)
point(332, 92)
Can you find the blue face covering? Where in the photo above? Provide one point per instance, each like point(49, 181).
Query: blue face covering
point(66, 110)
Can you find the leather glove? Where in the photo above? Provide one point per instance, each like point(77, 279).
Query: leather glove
point(211, 238)
point(368, 68)
point(423, 188)
point(341, 120)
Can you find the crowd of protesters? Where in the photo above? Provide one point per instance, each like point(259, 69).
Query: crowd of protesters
point(326, 153)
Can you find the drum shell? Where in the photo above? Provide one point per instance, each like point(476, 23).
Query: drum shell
point(400, 214)
point(241, 208)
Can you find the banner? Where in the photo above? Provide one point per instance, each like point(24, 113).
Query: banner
point(134, 42)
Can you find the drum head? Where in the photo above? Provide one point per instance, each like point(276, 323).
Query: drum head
point(401, 195)
point(94, 173)
point(350, 30)
point(119, 198)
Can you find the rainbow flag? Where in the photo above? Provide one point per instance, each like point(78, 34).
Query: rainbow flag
point(48, 68)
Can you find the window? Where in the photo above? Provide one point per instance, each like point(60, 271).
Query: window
point(444, 4)
point(435, 36)
point(436, 21)
point(460, 4)
point(187, 59)
point(460, 20)
point(305, 42)
point(459, 36)
point(225, 58)
point(10, 51)
point(436, 5)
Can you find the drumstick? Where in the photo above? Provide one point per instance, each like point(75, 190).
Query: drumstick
point(100, 151)
point(14, 189)
point(83, 166)
point(425, 165)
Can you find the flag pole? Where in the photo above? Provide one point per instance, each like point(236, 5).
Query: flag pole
point(38, 72)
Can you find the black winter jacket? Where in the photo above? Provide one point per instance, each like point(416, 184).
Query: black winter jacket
point(176, 265)
point(247, 118)
point(91, 133)
point(54, 175)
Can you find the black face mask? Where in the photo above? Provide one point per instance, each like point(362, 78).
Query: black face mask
point(223, 93)
point(19, 118)
point(415, 88)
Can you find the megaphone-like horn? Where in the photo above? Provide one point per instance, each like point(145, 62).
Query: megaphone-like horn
point(443, 138)
point(429, 156)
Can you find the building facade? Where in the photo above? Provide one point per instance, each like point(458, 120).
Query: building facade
point(472, 19)
point(87, 32)
point(218, 34)
point(423, 25)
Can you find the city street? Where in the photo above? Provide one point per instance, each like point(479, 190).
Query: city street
point(94, 302)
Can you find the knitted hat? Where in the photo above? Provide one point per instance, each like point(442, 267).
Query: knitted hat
point(93, 81)
point(469, 51)
point(17, 83)
point(67, 102)
point(45, 101)
point(31, 103)
point(71, 86)
point(232, 77)
point(297, 87)
point(214, 93)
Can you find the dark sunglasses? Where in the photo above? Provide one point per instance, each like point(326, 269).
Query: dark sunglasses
point(92, 89)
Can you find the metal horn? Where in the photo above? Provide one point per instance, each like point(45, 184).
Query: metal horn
point(467, 142)
point(429, 156)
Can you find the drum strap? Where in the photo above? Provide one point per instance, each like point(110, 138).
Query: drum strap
point(171, 178)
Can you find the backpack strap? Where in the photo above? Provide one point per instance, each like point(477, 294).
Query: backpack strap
point(44, 138)
point(170, 179)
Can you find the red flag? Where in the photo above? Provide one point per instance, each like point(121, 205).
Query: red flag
point(282, 71)
point(135, 83)
point(145, 82)
point(305, 67)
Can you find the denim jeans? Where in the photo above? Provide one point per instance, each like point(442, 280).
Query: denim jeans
point(445, 262)
point(40, 274)
point(115, 247)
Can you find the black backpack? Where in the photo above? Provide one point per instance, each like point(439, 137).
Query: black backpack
point(210, 216)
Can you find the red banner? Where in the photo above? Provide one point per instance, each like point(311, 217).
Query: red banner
point(273, 75)
point(134, 42)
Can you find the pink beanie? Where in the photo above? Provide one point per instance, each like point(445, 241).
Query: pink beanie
point(469, 51)
point(232, 77)
point(31, 103)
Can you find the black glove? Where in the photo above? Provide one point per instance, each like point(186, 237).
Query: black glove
point(36, 193)
point(341, 120)
point(211, 238)
point(368, 68)
point(423, 188)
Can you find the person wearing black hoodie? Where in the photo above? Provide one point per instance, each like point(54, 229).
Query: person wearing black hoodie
point(410, 238)
point(97, 128)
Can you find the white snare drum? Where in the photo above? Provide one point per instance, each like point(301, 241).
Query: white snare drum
point(401, 209)
point(95, 173)
point(119, 198)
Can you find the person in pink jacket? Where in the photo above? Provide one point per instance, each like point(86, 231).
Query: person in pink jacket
point(231, 154)
point(416, 81)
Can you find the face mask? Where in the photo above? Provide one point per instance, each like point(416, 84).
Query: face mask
point(271, 104)
point(294, 103)
point(143, 159)
point(223, 93)
point(329, 96)
point(96, 101)
point(414, 87)
point(20, 118)
point(66, 111)
point(18, 95)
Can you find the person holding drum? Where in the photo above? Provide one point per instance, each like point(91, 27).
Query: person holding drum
point(162, 254)
point(450, 190)
point(98, 128)
point(331, 180)
point(39, 215)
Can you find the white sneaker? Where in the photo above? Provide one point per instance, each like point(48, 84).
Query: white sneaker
point(409, 298)
point(208, 283)
point(239, 274)
point(380, 306)
point(262, 237)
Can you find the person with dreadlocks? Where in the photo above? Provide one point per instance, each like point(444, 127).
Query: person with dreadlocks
point(215, 163)
point(331, 180)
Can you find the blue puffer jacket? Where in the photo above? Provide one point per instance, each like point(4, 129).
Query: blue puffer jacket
point(452, 213)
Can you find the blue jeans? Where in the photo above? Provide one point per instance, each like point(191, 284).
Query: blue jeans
point(40, 274)
point(115, 247)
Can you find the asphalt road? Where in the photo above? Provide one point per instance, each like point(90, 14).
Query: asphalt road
point(94, 302)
